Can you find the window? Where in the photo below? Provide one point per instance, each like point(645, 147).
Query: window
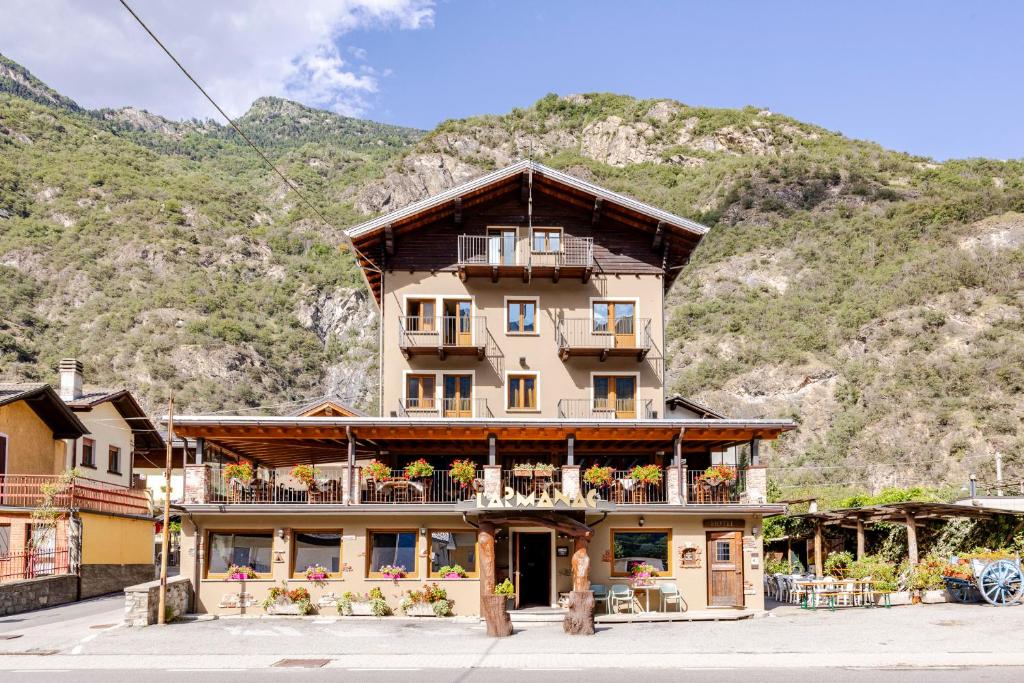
point(613, 317)
point(450, 548)
point(114, 460)
point(248, 549)
point(394, 548)
point(547, 240)
point(312, 548)
point(521, 317)
point(5, 540)
point(421, 316)
point(88, 453)
point(419, 392)
point(634, 546)
point(615, 393)
point(723, 551)
point(522, 392)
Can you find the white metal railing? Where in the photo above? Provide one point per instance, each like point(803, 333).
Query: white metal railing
point(442, 330)
point(625, 333)
point(445, 407)
point(605, 409)
point(275, 486)
point(504, 250)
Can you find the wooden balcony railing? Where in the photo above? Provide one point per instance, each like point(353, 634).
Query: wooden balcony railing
point(447, 407)
point(627, 337)
point(25, 490)
point(604, 409)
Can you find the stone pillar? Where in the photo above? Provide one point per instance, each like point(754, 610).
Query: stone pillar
point(346, 486)
point(757, 485)
point(492, 481)
point(356, 486)
point(571, 480)
point(673, 489)
point(684, 484)
point(196, 484)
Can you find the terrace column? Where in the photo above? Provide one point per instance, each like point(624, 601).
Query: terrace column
point(346, 486)
point(492, 481)
point(911, 538)
point(196, 484)
point(673, 485)
point(357, 478)
point(571, 481)
point(492, 607)
point(817, 549)
point(757, 484)
point(860, 538)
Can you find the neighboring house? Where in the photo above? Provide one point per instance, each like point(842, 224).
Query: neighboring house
point(522, 321)
point(327, 407)
point(103, 529)
point(680, 407)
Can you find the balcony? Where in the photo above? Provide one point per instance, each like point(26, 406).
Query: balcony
point(498, 256)
point(598, 409)
point(447, 407)
point(624, 490)
point(438, 488)
point(631, 337)
point(700, 492)
point(443, 335)
point(25, 491)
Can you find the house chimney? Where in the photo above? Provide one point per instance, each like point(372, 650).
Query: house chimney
point(70, 379)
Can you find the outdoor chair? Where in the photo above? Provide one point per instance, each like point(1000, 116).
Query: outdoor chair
point(670, 595)
point(601, 596)
point(621, 593)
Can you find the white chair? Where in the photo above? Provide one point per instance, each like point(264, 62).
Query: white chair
point(601, 595)
point(621, 593)
point(670, 595)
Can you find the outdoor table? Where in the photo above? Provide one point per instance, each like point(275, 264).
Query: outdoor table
point(862, 587)
point(647, 593)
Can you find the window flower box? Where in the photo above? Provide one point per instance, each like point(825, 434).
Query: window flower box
point(522, 470)
point(370, 604)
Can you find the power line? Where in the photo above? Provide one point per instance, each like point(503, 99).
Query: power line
point(245, 137)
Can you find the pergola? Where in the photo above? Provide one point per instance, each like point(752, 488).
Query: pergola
point(910, 514)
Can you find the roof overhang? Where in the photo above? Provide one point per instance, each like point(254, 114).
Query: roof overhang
point(147, 437)
point(49, 407)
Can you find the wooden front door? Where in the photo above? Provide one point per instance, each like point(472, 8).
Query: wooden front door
point(458, 392)
point(458, 323)
point(725, 569)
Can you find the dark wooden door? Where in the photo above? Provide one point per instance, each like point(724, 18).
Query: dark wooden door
point(533, 568)
point(725, 569)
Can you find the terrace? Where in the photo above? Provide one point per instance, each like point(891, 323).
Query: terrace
point(26, 491)
point(506, 253)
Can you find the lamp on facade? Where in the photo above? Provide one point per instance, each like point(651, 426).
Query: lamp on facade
point(641, 522)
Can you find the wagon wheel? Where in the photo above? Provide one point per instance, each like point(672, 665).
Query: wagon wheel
point(1000, 583)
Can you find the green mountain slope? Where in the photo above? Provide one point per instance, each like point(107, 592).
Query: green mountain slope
point(874, 296)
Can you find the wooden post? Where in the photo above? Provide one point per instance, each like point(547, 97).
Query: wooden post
point(492, 606)
point(165, 541)
point(860, 538)
point(580, 617)
point(911, 538)
point(817, 549)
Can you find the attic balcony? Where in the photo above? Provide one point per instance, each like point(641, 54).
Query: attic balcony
point(455, 335)
point(626, 337)
point(507, 255)
point(446, 407)
point(606, 409)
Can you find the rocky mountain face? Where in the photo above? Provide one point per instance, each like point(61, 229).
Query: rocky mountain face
point(873, 296)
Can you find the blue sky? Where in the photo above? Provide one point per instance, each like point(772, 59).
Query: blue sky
point(941, 79)
point(936, 78)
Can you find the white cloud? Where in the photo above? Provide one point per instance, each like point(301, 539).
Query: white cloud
point(237, 49)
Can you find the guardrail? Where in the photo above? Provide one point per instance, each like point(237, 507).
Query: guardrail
point(32, 564)
point(604, 409)
point(701, 492)
point(437, 488)
point(531, 481)
point(447, 407)
point(442, 331)
point(275, 486)
point(624, 490)
point(499, 250)
point(26, 490)
point(626, 333)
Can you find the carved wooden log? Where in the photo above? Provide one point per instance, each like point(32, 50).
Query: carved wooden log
point(499, 624)
point(580, 564)
point(579, 620)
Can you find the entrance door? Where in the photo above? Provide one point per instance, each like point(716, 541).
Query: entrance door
point(725, 569)
point(458, 396)
point(458, 323)
point(501, 246)
point(532, 568)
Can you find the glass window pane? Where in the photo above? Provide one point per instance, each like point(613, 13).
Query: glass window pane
point(529, 395)
point(625, 388)
point(723, 551)
point(538, 241)
point(513, 317)
point(450, 548)
point(320, 548)
point(600, 317)
point(529, 312)
point(513, 393)
point(638, 547)
point(244, 550)
point(554, 241)
point(393, 548)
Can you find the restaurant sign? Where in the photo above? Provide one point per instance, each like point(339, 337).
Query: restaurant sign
point(542, 500)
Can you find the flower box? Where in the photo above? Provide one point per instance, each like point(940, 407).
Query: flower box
point(280, 608)
point(522, 471)
point(361, 609)
point(934, 597)
point(424, 609)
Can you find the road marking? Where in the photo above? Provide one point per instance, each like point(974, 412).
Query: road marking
point(196, 670)
point(397, 668)
point(39, 671)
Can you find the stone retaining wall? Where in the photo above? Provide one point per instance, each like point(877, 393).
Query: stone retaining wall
point(141, 602)
point(29, 594)
point(100, 579)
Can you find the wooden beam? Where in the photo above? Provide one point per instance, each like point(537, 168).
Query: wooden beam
point(458, 211)
point(659, 236)
point(389, 240)
point(817, 549)
point(596, 218)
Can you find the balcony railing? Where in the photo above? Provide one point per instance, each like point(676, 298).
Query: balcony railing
point(624, 490)
point(447, 407)
point(700, 492)
point(25, 490)
point(32, 564)
point(531, 481)
point(604, 409)
point(275, 486)
point(499, 251)
point(438, 488)
point(443, 333)
point(627, 337)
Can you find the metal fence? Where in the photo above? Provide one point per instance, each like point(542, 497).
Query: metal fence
point(440, 487)
point(626, 333)
point(531, 481)
point(603, 409)
point(34, 563)
point(501, 250)
point(275, 486)
point(624, 490)
point(701, 492)
point(446, 407)
point(442, 330)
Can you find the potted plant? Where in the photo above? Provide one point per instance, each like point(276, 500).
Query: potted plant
point(419, 469)
point(370, 604)
point(318, 574)
point(716, 475)
point(506, 589)
point(642, 476)
point(375, 470)
point(237, 476)
point(543, 469)
point(307, 475)
point(393, 571)
point(598, 476)
point(463, 472)
point(237, 573)
point(642, 574)
point(430, 601)
point(523, 469)
point(280, 600)
point(453, 572)
point(837, 564)
point(926, 579)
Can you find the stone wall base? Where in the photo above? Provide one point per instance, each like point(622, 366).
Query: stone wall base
point(141, 602)
point(100, 579)
point(29, 594)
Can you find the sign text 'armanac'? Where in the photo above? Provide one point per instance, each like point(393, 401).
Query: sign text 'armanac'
point(557, 498)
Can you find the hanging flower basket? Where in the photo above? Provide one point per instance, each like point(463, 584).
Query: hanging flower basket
point(646, 474)
point(241, 471)
point(377, 471)
point(420, 469)
point(306, 474)
point(598, 476)
point(463, 472)
point(716, 475)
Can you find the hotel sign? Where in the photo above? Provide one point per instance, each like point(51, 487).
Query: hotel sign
point(544, 500)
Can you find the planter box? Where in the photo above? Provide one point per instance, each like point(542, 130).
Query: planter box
point(421, 610)
point(897, 598)
point(934, 597)
point(362, 609)
point(522, 473)
point(285, 608)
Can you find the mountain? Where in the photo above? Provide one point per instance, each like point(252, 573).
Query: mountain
point(874, 296)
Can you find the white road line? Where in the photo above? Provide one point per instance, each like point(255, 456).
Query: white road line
point(394, 669)
point(39, 671)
